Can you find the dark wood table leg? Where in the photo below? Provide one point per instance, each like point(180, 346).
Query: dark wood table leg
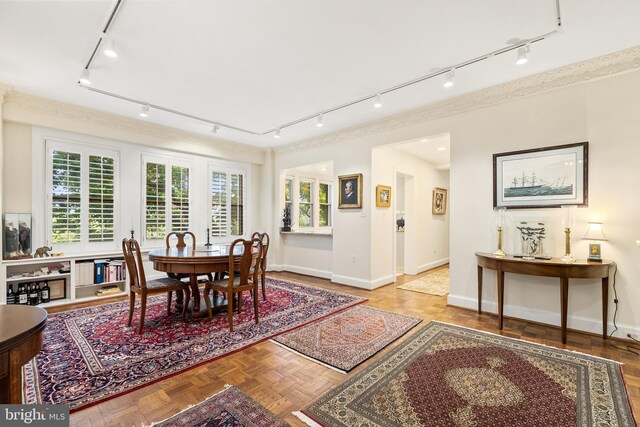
point(500, 278)
point(605, 305)
point(564, 301)
point(479, 290)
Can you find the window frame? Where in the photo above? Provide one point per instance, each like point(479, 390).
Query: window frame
point(328, 204)
point(85, 150)
point(312, 198)
point(315, 201)
point(246, 199)
point(169, 162)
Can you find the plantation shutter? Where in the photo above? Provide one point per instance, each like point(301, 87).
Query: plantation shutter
point(237, 204)
point(219, 209)
point(179, 198)
point(101, 199)
point(66, 197)
point(155, 205)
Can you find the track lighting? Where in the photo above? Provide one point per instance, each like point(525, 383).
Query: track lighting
point(109, 48)
point(277, 134)
point(215, 129)
point(522, 54)
point(84, 77)
point(144, 112)
point(378, 103)
point(448, 78)
point(319, 123)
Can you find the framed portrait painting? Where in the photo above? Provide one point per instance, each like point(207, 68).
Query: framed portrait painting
point(383, 196)
point(350, 191)
point(439, 201)
point(541, 177)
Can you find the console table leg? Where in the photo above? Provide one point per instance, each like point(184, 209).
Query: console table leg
point(564, 298)
point(605, 305)
point(500, 276)
point(479, 290)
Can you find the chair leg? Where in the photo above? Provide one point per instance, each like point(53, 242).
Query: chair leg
point(264, 288)
point(207, 302)
point(230, 309)
point(239, 301)
point(185, 303)
point(169, 296)
point(143, 309)
point(256, 294)
point(132, 303)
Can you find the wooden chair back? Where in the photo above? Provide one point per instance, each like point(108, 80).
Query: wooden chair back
point(264, 238)
point(133, 259)
point(250, 259)
point(180, 236)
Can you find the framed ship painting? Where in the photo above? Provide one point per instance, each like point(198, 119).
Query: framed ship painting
point(541, 177)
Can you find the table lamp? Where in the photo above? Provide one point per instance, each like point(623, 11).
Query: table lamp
point(595, 232)
point(499, 223)
point(568, 221)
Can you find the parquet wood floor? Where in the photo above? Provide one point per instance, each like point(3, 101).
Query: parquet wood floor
point(284, 382)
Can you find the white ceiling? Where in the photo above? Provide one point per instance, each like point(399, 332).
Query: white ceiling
point(435, 149)
point(260, 64)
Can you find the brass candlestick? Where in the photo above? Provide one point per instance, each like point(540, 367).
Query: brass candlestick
point(567, 247)
point(499, 252)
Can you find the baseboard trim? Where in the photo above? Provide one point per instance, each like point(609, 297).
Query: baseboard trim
point(577, 323)
point(382, 281)
point(323, 274)
point(351, 281)
point(428, 266)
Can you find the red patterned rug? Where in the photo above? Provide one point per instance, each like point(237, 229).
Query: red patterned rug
point(346, 339)
point(229, 408)
point(90, 355)
point(446, 375)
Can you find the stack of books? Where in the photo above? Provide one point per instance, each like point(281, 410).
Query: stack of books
point(108, 290)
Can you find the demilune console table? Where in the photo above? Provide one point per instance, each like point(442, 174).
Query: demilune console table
point(581, 269)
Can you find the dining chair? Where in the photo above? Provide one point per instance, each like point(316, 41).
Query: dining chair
point(138, 283)
point(180, 244)
point(262, 265)
point(242, 277)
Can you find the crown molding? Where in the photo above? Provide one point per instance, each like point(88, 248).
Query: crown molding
point(18, 103)
point(4, 90)
point(580, 72)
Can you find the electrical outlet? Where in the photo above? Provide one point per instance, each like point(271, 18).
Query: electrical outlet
point(353, 259)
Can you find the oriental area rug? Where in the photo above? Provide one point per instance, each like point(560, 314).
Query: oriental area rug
point(446, 375)
point(90, 355)
point(346, 339)
point(435, 283)
point(229, 408)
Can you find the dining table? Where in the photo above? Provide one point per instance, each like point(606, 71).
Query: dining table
point(195, 262)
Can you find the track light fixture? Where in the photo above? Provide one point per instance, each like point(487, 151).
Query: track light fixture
point(448, 78)
point(378, 103)
point(108, 48)
point(215, 129)
point(522, 54)
point(522, 46)
point(84, 77)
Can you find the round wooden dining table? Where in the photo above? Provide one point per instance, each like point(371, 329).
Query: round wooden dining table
point(194, 262)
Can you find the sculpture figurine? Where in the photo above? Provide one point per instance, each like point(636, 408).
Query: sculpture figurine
point(286, 220)
point(42, 252)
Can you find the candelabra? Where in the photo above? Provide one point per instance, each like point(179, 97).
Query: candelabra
point(499, 223)
point(208, 241)
point(568, 220)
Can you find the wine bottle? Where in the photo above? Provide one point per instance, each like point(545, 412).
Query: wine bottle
point(39, 294)
point(45, 292)
point(11, 296)
point(22, 295)
point(33, 294)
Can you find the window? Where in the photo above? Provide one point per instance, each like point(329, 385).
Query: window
point(81, 180)
point(167, 197)
point(288, 190)
point(324, 202)
point(305, 205)
point(228, 194)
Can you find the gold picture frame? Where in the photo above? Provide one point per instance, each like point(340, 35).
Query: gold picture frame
point(439, 201)
point(383, 196)
point(350, 191)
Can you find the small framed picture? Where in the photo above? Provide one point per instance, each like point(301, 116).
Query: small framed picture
point(58, 289)
point(350, 191)
point(383, 196)
point(439, 204)
point(594, 252)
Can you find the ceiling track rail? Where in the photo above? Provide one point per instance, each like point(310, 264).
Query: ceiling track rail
point(217, 124)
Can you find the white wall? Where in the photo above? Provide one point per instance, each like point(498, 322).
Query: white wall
point(426, 235)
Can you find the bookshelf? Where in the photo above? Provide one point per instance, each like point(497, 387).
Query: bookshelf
point(73, 276)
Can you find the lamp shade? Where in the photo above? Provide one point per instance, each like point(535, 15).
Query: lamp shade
point(595, 232)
